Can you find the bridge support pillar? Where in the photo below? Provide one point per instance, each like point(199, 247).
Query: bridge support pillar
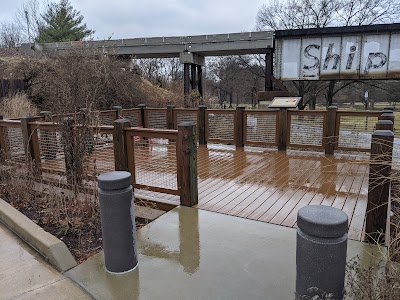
point(186, 79)
point(269, 60)
point(192, 73)
point(200, 81)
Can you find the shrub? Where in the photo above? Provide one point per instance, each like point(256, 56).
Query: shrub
point(16, 106)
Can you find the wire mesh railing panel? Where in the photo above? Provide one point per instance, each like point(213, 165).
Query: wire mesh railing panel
point(101, 159)
point(51, 150)
point(155, 162)
point(220, 125)
point(133, 117)
point(156, 119)
point(14, 144)
point(355, 132)
point(306, 129)
point(186, 117)
point(107, 118)
point(260, 128)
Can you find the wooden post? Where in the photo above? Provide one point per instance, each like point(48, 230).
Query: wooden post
point(170, 117)
point(283, 123)
point(379, 185)
point(330, 125)
point(30, 142)
point(387, 116)
point(118, 112)
point(202, 125)
point(120, 144)
point(187, 164)
point(68, 137)
point(46, 115)
point(384, 125)
point(238, 126)
point(142, 122)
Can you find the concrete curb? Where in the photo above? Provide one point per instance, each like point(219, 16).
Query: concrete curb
point(53, 249)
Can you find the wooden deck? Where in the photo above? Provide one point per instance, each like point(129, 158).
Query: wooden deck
point(261, 184)
point(271, 186)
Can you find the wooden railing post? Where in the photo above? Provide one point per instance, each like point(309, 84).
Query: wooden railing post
point(384, 125)
point(30, 142)
point(283, 123)
point(120, 144)
point(142, 122)
point(330, 125)
point(46, 115)
point(202, 124)
point(118, 112)
point(387, 116)
point(379, 184)
point(187, 164)
point(170, 117)
point(238, 126)
point(68, 137)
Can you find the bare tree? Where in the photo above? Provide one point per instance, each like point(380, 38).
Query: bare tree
point(29, 21)
point(365, 12)
point(233, 79)
point(297, 14)
point(10, 36)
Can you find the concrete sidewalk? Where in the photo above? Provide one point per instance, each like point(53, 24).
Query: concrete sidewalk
point(24, 274)
point(195, 254)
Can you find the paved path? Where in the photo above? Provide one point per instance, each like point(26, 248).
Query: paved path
point(25, 275)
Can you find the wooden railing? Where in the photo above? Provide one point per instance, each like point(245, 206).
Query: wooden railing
point(153, 155)
point(330, 130)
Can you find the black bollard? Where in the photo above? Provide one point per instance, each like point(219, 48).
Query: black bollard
point(321, 251)
point(118, 221)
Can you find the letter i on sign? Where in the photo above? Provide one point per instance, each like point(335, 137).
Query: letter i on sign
point(351, 57)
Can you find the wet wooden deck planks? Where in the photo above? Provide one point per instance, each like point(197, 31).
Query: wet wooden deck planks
point(271, 186)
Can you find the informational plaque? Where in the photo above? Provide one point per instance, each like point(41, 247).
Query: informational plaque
point(285, 102)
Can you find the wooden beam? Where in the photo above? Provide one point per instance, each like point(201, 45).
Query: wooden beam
point(120, 144)
point(202, 125)
point(187, 164)
point(282, 129)
point(330, 125)
point(238, 126)
point(379, 185)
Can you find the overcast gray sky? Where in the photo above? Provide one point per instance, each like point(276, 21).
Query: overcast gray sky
point(136, 18)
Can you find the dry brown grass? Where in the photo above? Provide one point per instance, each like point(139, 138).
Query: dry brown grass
point(17, 106)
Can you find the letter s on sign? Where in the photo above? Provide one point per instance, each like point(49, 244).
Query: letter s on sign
point(309, 56)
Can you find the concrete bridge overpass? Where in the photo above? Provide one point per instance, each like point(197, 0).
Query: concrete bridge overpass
point(338, 53)
point(190, 49)
point(167, 47)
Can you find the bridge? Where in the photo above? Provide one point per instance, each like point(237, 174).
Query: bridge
point(350, 52)
point(191, 50)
